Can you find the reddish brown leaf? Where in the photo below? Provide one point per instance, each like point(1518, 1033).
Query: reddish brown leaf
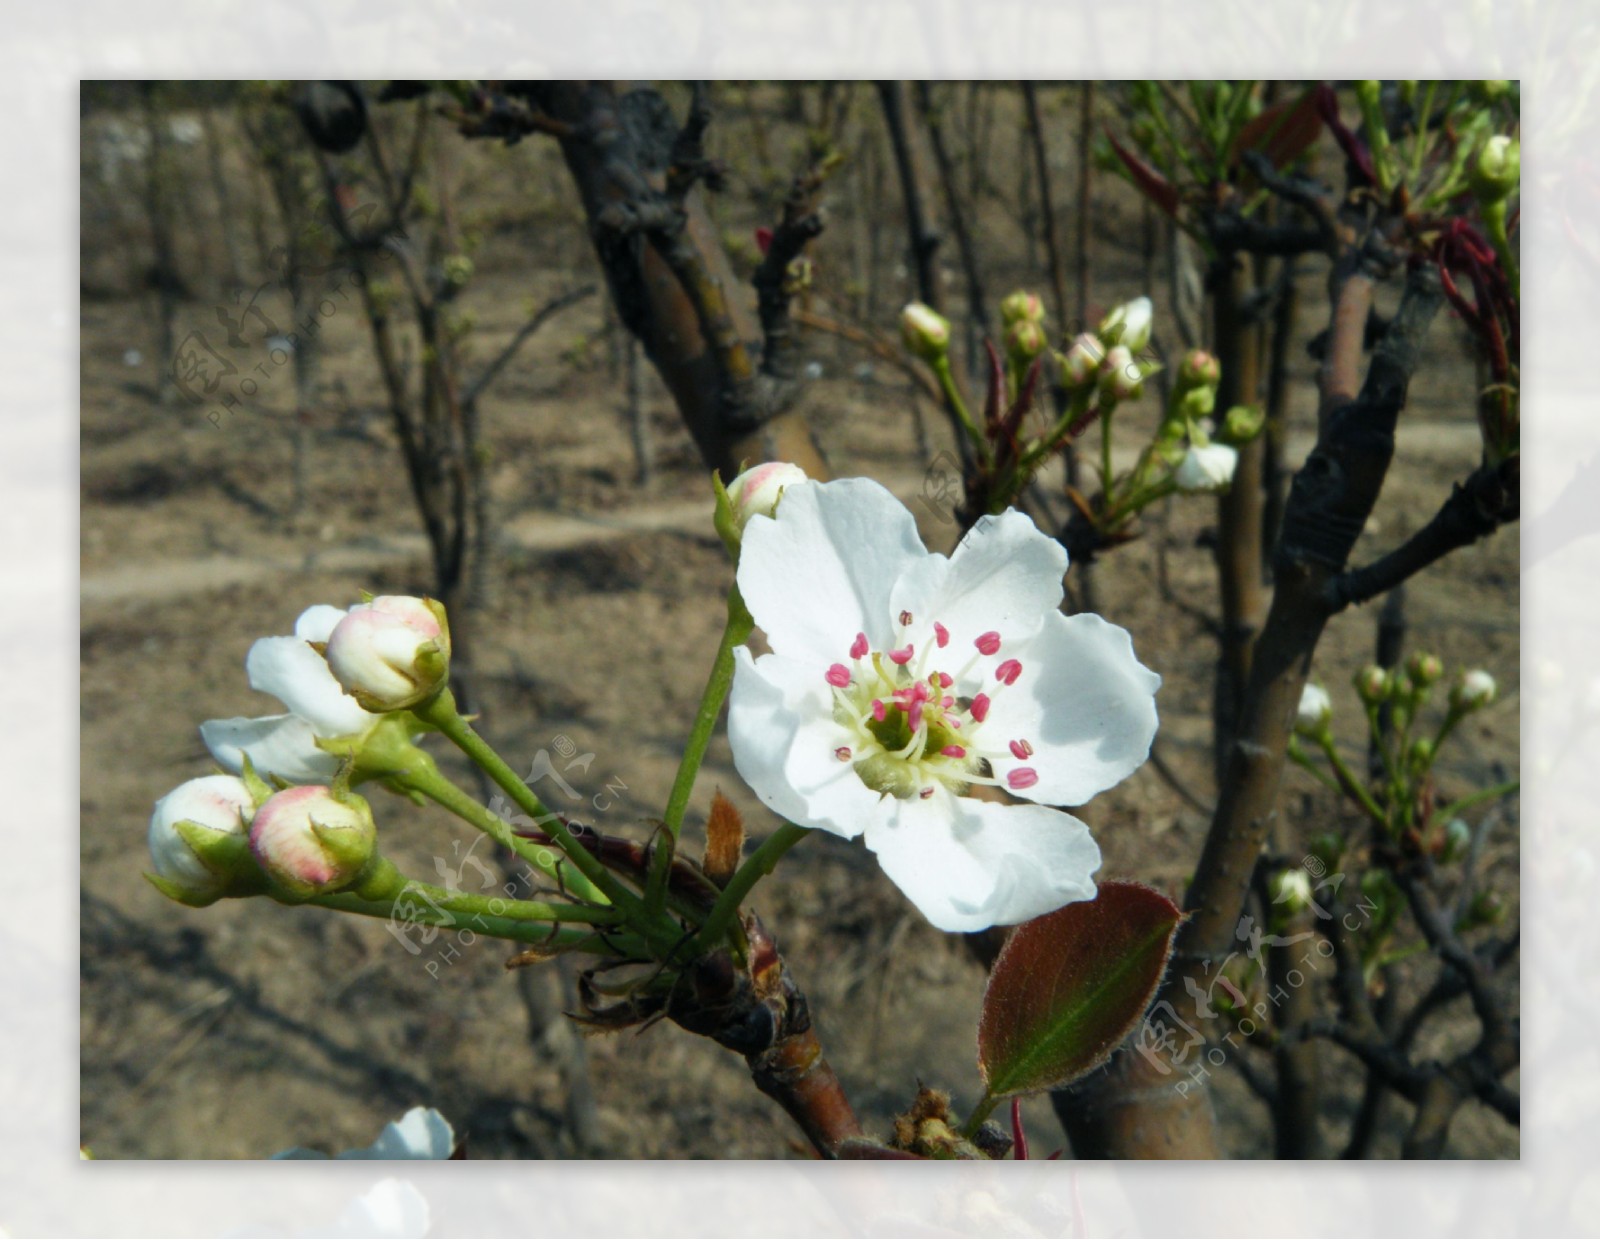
point(1069, 986)
point(1282, 132)
point(1155, 186)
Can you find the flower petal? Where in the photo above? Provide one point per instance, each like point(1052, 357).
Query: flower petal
point(295, 674)
point(1084, 702)
point(281, 745)
point(1004, 577)
point(822, 569)
point(784, 738)
point(316, 624)
point(969, 864)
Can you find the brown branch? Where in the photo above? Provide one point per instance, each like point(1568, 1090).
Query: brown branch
point(977, 305)
point(540, 317)
point(1490, 498)
point(802, 221)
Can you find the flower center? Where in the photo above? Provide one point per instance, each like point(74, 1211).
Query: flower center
point(916, 726)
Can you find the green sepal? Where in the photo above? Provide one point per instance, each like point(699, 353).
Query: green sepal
point(726, 522)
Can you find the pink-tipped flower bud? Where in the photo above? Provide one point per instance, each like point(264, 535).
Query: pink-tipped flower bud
point(1424, 669)
point(1199, 369)
point(391, 653)
point(1022, 307)
point(199, 839)
point(1206, 468)
point(756, 492)
point(311, 840)
point(1374, 685)
point(1080, 364)
point(926, 331)
point(1129, 325)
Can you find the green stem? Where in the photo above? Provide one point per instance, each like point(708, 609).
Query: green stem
point(952, 395)
point(441, 713)
point(422, 775)
point(756, 867)
point(1351, 785)
point(1475, 798)
point(981, 1112)
point(734, 634)
point(497, 927)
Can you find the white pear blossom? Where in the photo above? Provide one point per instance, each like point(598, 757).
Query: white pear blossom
point(292, 671)
point(1129, 324)
point(218, 803)
point(901, 681)
point(420, 1133)
point(1206, 468)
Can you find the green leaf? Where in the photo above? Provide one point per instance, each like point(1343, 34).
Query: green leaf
point(1068, 987)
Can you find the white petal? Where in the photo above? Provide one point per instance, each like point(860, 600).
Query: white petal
point(821, 570)
point(781, 729)
point(316, 624)
point(1005, 577)
point(298, 676)
point(969, 864)
point(281, 745)
point(420, 1133)
point(1084, 702)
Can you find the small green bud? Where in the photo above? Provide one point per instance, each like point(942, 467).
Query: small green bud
point(1496, 173)
point(1022, 307)
point(1024, 341)
point(1241, 424)
point(1424, 669)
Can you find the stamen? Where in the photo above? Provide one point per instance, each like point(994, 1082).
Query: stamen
point(1008, 671)
point(953, 751)
point(988, 643)
point(941, 635)
point(926, 792)
point(944, 680)
point(1023, 777)
point(859, 646)
point(1021, 749)
point(879, 710)
point(980, 707)
point(838, 675)
point(914, 715)
point(902, 657)
point(842, 753)
point(905, 618)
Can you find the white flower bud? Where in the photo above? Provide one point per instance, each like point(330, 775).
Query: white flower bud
point(1128, 325)
point(1206, 468)
point(311, 841)
point(1293, 889)
point(197, 835)
point(756, 492)
point(1121, 377)
point(1316, 708)
point(1473, 691)
point(1080, 364)
point(926, 331)
point(391, 653)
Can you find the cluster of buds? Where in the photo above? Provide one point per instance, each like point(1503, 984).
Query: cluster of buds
point(343, 675)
